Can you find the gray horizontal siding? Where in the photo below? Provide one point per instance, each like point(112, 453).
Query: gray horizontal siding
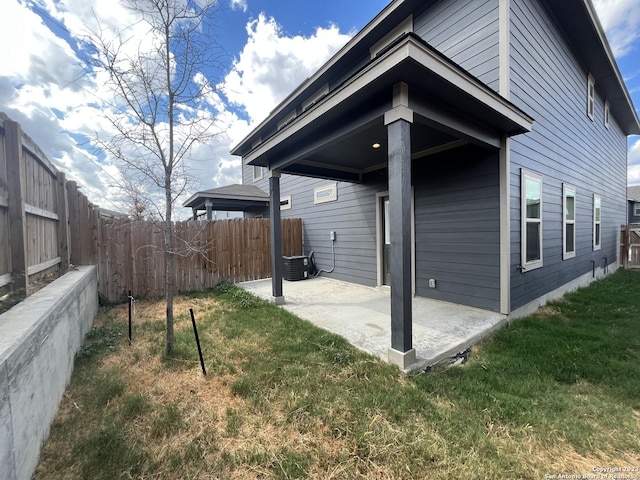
point(352, 217)
point(466, 31)
point(565, 146)
point(457, 218)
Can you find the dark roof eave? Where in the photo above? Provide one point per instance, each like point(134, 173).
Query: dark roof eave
point(585, 33)
point(409, 48)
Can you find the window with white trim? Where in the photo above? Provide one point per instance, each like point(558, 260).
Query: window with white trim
point(327, 193)
point(531, 215)
point(258, 173)
point(568, 221)
point(597, 222)
point(591, 96)
point(285, 202)
point(607, 113)
point(636, 209)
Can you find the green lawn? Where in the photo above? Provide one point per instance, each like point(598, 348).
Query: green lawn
point(555, 393)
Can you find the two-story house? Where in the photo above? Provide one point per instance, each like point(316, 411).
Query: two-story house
point(472, 151)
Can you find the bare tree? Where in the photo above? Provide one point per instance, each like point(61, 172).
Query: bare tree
point(162, 103)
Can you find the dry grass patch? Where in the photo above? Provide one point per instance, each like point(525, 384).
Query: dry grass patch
point(283, 399)
point(186, 425)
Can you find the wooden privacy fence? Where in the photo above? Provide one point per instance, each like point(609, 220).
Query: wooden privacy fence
point(40, 213)
point(130, 254)
point(47, 225)
point(630, 246)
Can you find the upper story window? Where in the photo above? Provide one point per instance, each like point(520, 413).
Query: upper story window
point(591, 96)
point(285, 202)
point(327, 193)
point(531, 214)
point(258, 173)
point(607, 109)
point(569, 221)
point(597, 221)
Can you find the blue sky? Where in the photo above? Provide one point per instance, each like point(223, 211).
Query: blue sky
point(271, 45)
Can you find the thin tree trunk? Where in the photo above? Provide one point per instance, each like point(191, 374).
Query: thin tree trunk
point(168, 180)
point(169, 269)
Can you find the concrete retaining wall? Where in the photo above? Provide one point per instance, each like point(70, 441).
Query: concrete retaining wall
point(38, 342)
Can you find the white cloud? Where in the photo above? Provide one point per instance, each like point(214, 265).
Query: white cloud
point(272, 64)
point(239, 5)
point(44, 86)
point(634, 153)
point(633, 160)
point(621, 21)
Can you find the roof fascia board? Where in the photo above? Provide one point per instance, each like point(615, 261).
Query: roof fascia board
point(470, 85)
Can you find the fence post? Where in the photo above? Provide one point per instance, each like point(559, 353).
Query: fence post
point(63, 221)
point(17, 216)
point(625, 241)
point(74, 224)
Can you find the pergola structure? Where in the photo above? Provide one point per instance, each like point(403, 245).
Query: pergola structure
point(230, 198)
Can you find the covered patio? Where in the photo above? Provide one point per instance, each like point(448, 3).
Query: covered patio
point(362, 315)
point(404, 105)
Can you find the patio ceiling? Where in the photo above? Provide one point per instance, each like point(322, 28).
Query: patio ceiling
point(336, 137)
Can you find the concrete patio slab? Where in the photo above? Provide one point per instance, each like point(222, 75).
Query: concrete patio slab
point(361, 315)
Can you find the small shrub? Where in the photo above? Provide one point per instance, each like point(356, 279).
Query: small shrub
point(223, 287)
point(244, 299)
point(100, 340)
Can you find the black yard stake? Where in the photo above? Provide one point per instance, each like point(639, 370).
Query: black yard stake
point(130, 305)
point(195, 331)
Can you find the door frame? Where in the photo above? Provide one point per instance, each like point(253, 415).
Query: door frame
point(380, 236)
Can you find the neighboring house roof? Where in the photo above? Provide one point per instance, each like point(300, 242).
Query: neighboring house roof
point(633, 193)
point(232, 198)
